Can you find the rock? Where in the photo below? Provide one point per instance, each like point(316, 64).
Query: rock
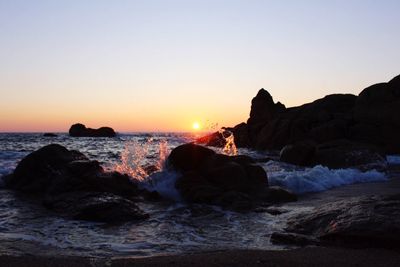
point(37, 171)
point(49, 135)
point(54, 169)
point(301, 153)
point(95, 206)
point(337, 154)
point(372, 221)
point(188, 157)
point(80, 130)
point(370, 118)
point(276, 194)
point(263, 110)
point(241, 134)
point(346, 154)
point(378, 106)
point(69, 178)
point(233, 182)
point(215, 139)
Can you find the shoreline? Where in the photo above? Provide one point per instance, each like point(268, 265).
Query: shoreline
point(310, 256)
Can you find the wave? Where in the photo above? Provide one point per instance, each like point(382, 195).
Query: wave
point(318, 178)
point(164, 183)
point(393, 159)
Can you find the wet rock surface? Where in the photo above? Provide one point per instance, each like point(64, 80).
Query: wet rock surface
point(234, 182)
point(372, 221)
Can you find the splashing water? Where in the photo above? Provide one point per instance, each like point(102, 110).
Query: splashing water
point(135, 158)
point(230, 146)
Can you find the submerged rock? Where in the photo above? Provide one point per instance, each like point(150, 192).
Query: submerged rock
point(360, 221)
point(234, 182)
point(56, 173)
point(80, 130)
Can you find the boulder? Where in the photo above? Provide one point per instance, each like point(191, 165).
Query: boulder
point(378, 107)
point(214, 139)
point(188, 157)
point(233, 182)
point(80, 130)
point(69, 178)
point(372, 221)
point(241, 134)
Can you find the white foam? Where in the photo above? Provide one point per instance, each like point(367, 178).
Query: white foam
point(393, 159)
point(318, 178)
point(164, 183)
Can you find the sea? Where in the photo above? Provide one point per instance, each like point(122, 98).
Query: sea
point(174, 226)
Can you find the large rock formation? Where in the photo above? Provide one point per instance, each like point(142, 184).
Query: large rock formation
point(369, 120)
point(376, 116)
point(80, 130)
point(69, 182)
point(234, 182)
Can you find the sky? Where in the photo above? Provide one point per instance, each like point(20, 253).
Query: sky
point(163, 65)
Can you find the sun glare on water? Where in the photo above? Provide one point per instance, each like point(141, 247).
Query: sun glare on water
point(196, 125)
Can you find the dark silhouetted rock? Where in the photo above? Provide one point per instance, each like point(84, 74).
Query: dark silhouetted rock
point(263, 110)
point(322, 120)
point(215, 139)
point(233, 182)
point(55, 173)
point(370, 118)
point(359, 221)
point(49, 135)
point(335, 154)
point(345, 154)
point(300, 153)
point(241, 134)
point(189, 157)
point(377, 108)
point(80, 130)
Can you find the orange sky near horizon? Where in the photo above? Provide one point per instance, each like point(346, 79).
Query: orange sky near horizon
point(147, 66)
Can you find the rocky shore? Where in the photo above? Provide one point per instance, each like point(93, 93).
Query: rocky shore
point(338, 131)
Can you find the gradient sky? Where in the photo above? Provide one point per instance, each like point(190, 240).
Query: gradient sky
point(160, 65)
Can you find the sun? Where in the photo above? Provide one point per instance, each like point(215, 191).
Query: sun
point(196, 125)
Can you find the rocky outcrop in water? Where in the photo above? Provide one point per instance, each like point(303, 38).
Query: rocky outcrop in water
point(70, 183)
point(80, 130)
point(368, 122)
point(49, 135)
point(360, 221)
point(233, 182)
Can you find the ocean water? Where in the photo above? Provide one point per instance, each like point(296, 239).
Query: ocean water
point(174, 226)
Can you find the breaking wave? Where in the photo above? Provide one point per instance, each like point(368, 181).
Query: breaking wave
point(318, 178)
